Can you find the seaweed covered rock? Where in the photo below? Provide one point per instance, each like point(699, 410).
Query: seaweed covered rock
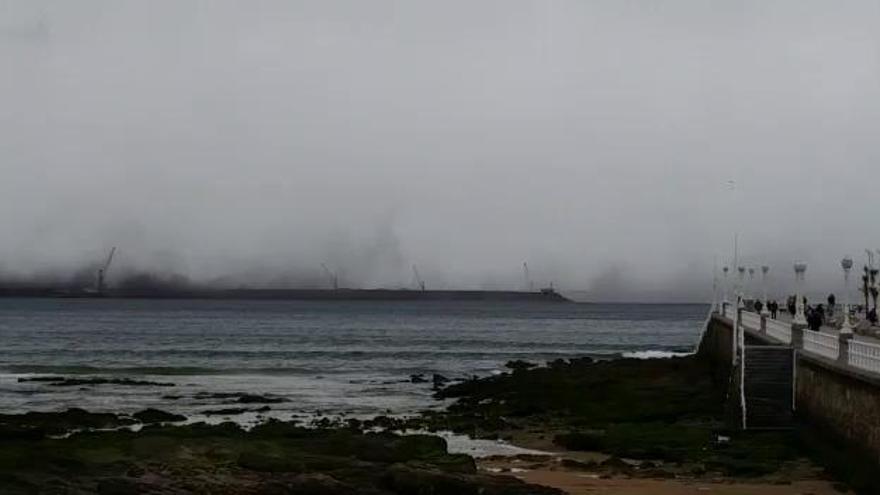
point(151, 416)
point(38, 424)
point(274, 457)
point(667, 410)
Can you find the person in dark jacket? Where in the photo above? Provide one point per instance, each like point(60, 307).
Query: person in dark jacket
point(773, 307)
point(814, 319)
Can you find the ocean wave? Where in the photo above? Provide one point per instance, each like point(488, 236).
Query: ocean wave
point(654, 354)
point(27, 369)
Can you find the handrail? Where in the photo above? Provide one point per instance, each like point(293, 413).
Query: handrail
point(823, 344)
point(864, 355)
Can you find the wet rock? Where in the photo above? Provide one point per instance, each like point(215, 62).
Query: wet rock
point(56, 423)
point(578, 465)
point(259, 399)
point(419, 378)
point(382, 422)
point(581, 441)
point(438, 381)
point(119, 486)
point(519, 365)
point(152, 416)
point(307, 484)
point(616, 465)
point(233, 411)
point(412, 480)
point(259, 461)
point(60, 381)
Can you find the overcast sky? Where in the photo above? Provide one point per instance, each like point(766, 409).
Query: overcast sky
point(254, 140)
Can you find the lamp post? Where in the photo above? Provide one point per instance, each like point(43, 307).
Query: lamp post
point(847, 327)
point(751, 285)
point(800, 269)
point(726, 269)
point(764, 271)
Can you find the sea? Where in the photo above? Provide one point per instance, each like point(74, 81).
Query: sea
point(355, 359)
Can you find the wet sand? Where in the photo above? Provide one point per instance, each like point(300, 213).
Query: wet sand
point(568, 471)
point(584, 484)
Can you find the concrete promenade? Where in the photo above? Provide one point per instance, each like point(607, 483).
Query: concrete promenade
point(833, 380)
point(848, 350)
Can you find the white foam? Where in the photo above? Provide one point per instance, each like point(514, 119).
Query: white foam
point(654, 354)
point(463, 444)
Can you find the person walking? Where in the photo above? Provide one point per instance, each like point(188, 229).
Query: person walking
point(814, 320)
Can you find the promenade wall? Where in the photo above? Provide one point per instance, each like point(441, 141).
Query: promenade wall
point(831, 395)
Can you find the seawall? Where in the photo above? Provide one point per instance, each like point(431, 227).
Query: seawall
point(829, 394)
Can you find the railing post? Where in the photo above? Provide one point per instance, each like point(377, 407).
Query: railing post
point(843, 348)
point(797, 336)
point(737, 331)
point(763, 323)
point(739, 319)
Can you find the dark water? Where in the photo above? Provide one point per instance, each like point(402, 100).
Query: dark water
point(323, 356)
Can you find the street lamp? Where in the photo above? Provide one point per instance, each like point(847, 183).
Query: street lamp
point(800, 269)
point(764, 271)
point(726, 285)
point(751, 285)
point(847, 327)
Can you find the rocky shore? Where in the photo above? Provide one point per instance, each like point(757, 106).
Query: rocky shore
point(273, 458)
point(657, 421)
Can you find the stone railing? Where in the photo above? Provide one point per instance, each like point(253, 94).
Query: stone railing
point(864, 355)
point(837, 347)
point(823, 344)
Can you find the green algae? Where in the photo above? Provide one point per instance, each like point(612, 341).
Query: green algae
point(274, 457)
point(667, 410)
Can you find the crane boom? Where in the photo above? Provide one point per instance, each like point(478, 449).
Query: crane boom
point(109, 259)
point(102, 272)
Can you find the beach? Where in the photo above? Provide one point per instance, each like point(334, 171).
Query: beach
point(616, 426)
point(578, 398)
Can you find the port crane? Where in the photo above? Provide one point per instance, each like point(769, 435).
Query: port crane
point(334, 279)
point(102, 272)
point(418, 278)
point(529, 285)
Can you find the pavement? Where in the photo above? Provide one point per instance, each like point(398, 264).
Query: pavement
point(786, 317)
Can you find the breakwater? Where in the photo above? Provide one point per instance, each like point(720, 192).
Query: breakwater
point(546, 295)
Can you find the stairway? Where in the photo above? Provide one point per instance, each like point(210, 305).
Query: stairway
point(768, 386)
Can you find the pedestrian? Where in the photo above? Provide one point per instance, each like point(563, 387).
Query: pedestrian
point(758, 306)
point(773, 306)
point(814, 320)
